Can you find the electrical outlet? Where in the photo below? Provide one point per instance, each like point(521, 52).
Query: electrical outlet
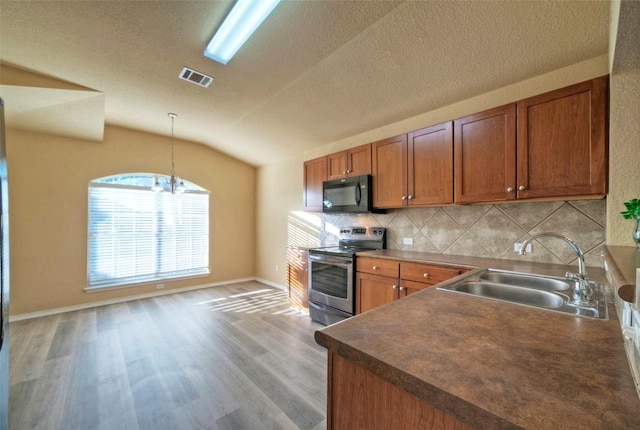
point(159, 286)
point(277, 267)
point(518, 246)
point(408, 241)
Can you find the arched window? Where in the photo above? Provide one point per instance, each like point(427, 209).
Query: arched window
point(137, 235)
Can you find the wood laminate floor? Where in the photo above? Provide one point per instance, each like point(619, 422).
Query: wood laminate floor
point(231, 357)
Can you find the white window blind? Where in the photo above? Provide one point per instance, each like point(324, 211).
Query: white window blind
point(137, 235)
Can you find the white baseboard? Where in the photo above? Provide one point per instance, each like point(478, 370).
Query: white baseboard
point(137, 297)
point(271, 284)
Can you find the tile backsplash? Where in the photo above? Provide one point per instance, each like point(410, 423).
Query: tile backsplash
point(477, 230)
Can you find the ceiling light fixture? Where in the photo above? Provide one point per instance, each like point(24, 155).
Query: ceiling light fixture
point(173, 183)
point(239, 25)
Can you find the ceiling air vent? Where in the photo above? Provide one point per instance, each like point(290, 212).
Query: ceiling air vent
point(195, 77)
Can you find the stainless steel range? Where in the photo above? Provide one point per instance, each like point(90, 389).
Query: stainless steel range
point(332, 273)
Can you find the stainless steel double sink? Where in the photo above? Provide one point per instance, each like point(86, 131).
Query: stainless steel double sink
point(529, 289)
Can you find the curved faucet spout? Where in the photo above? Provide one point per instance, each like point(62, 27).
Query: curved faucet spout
point(582, 293)
point(572, 244)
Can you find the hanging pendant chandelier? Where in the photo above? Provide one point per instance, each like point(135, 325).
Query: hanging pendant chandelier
point(173, 183)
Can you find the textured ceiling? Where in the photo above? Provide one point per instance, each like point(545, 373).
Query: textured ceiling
point(314, 72)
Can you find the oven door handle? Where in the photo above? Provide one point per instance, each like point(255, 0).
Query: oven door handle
point(336, 261)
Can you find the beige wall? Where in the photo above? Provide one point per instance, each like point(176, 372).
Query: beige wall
point(624, 154)
point(48, 178)
point(624, 123)
point(280, 185)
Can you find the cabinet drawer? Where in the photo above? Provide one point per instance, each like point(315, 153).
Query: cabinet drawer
point(377, 266)
point(427, 273)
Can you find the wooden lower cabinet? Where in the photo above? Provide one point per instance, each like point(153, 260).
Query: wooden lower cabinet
point(359, 399)
point(373, 291)
point(381, 281)
point(298, 277)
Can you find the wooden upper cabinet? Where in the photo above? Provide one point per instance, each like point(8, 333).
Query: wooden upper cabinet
point(562, 142)
point(485, 156)
point(359, 160)
point(315, 172)
point(430, 165)
point(352, 162)
point(553, 145)
point(389, 170)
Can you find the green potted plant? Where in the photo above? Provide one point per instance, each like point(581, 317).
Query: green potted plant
point(633, 212)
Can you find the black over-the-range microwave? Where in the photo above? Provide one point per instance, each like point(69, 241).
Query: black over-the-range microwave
point(349, 195)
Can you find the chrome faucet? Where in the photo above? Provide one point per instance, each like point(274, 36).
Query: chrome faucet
point(582, 292)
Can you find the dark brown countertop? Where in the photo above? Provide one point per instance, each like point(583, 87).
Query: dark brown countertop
point(492, 364)
point(622, 262)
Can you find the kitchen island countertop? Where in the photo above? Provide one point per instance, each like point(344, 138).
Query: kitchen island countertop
point(492, 364)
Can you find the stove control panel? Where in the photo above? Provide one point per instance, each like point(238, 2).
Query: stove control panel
point(362, 233)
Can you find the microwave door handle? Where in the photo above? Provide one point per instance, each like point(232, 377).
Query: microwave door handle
point(358, 190)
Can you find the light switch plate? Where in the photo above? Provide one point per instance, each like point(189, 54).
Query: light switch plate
point(408, 241)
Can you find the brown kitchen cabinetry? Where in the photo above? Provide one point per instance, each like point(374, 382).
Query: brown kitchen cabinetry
point(315, 172)
point(414, 169)
point(430, 165)
point(562, 142)
point(360, 399)
point(550, 146)
point(352, 162)
point(485, 155)
point(389, 170)
point(381, 281)
point(298, 277)
point(547, 146)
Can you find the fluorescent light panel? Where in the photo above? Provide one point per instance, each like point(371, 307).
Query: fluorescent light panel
point(242, 21)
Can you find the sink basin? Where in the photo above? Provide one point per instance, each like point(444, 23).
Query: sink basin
point(528, 289)
point(514, 294)
point(523, 280)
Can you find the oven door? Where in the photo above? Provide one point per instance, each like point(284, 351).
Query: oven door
point(331, 281)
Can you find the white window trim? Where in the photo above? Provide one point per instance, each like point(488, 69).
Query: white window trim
point(138, 279)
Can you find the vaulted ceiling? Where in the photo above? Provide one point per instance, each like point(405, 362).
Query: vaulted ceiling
point(313, 73)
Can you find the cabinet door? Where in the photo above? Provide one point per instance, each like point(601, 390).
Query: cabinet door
point(297, 262)
point(337, 165)
point(389, 170)
point(430, 165)
point(315, 172)
point(562, 142)
point(373, 291)
point(359, 160)
point(485, 156)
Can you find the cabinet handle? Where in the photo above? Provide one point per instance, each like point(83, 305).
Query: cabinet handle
point(348, 171)
point(522, 188)
point(375, 267)
point(395, 287)
point(404, 197)
point(509, 190)
point(410, 197)
point(425, 275)
point(401, 288)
